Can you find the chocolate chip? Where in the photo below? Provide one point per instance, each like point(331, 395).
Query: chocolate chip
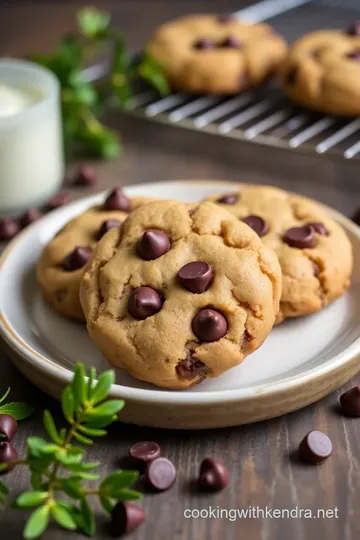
point(85, 176)
point(247, 338)
point(257, 223)
point(214, 476)
point(356, 217)
point(292, 75)
point(350, 401)
point(191, 367)
point(152, 244)
point(319, 228)
point(8, 427)
point(125, 518)
point(230, 198)
point(30, 216)
point(209, 325)
point(354, 55)
point(144, 302)
point(9, 228)
point(204, 43)
point(77, 258)
point(160, 474)
point(195, 276)
point(58, 200)
point(7, 453)
point(144, 451)
point(315, 447)
point(300, 237)
point(117, 200)
point(354, 29)
point(106, 226)
point(231, 42)
point(225, 18)
point(316, 268)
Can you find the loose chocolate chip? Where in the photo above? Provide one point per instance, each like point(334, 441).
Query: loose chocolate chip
point(354, 29)
point(152, 244)
point(209, 325)
point(7, 453)
point(144, 451)
point(117, 200)
point(257, 223)
point(292, 75)
point(85, 176)
point(58, 200)
point(9, 228)
point(356, 217)
point(315, 447)
point(204, 43)
point(225, 18)
point(195, 276)
point(316, 268)
point(214, 476)
point(160, 474)
point(354, 55)
point(319, 228)
point(8, 427)
point(77, 258)
point(230, 198)
point(231, 42)
point(125, 518)
point(350, 401)
point(106, 226)
point(30, 216)
point(300, 237)
point(191, 367)
point(144, 302)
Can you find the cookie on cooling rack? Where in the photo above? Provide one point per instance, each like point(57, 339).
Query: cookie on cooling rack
point(313, 250)
point(322, 71)
point(180, 293)
point(216, 54)
point(62, 261)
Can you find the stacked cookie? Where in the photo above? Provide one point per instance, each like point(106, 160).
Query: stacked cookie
point(174, 293)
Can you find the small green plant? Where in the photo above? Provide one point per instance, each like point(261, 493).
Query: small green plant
point(17, 410)
point(82, 101)
point(58, 468)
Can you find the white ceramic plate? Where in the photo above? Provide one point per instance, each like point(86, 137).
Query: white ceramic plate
point(300, 362)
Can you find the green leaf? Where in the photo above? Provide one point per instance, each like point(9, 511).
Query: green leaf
point(40, 463)
point(152, 72)
point(37, 523)
point(86, 476)
point(93, 23)
point(70, 456)
point(102, 388)
point(37, 447)
point(92, 432)
point(100, 421)
point(90, 384)
point(116, 481)
point(3, 466)
point(82, 439)
point(88, 517)
point(128, 495)
point(3, 492)
point(63, 433)
point(106, 503)
point(63, 517)
point(31, 498)
point(50, 428)
point(83, 467)
point(36, 481)
point(4, 396)
point(78, 386)
point(67, 403)
point(109, 408)
point(19, 411)
point(72, 487)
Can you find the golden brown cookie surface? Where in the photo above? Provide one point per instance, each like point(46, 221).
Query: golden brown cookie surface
point(216, 54)
point(179, 293)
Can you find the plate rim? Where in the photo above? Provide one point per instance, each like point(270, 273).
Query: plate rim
point(294, 382)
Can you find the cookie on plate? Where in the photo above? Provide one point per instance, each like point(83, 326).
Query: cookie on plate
point(216, 54)
point(322, 71)
point(180, 292)
point(61, 263)
point(313, 250)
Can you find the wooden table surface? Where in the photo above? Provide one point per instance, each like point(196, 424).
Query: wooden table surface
point(263, 472)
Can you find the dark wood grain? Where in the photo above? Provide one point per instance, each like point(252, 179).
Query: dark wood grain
point(264, 471)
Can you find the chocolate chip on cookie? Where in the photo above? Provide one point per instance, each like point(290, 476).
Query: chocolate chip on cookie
point(230, 198)
point(77, 258)
point(231, 42)
point(354, 55)
point(209, 325)
point(117, 200)
point(191, 367)
point(195, 276)
point(152, 244)
point(204, 43)
point(300, 237)
point(106, 226)
point(354, 29)
point(144, 302)
point(319, 228)
point(257, 224)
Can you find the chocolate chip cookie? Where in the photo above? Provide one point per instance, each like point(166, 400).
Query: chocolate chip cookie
point(314, 252)
point(180, 292)
point(61, 264)
point(322, 71)
point(216, 54)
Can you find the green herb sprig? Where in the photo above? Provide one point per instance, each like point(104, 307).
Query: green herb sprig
point(16, 409)
point(82, 101)
point(58, 467)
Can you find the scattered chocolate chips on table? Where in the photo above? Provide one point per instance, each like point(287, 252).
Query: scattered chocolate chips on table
point(106, 226)
point(144, 451)
point(85, 176)
point(77, 258)
point(257, 223)
point(31, 215)
point(209, 325)
point(9, 228)
point(160, 474)
point(152, 244)
point(58, 200)
point(7, 453)
point(8, 427)
point(195, 276)
point(350, 401)
point(214, 476)
point(315, 448)
point(144, 302)
point(125, 518)
point(117, 200)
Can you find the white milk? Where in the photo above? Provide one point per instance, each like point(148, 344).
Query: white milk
point(31, 156)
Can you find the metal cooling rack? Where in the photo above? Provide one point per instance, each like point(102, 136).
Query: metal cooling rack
point(265, 116)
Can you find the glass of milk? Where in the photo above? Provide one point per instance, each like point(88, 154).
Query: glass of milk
point(31, 153)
